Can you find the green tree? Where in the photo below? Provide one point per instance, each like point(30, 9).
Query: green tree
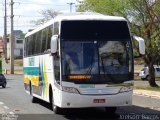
point(144, 20)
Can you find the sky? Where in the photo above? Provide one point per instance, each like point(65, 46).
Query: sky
point(26, 11)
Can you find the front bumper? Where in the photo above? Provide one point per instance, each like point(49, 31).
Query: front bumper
point(71, 100)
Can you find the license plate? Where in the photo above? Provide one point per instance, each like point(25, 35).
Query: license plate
point(99, 101)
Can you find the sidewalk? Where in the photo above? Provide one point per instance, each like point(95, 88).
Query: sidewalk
point(147, 93)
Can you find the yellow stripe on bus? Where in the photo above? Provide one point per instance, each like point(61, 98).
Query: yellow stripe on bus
point(34, 80)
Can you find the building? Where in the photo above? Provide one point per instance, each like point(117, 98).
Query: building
point(18, 44)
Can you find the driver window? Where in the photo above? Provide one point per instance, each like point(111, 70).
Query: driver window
point(57, 69)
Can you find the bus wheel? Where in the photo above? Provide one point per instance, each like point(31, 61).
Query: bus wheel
point(33, 99)
point(55, 108)
point(111, 110)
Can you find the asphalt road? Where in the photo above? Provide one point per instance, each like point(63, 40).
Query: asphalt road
point(15, 102)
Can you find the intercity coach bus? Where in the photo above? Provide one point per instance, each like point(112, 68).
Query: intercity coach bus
point(81, 60)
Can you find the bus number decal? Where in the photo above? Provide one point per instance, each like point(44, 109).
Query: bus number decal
point(31, 61)
point(87, 86)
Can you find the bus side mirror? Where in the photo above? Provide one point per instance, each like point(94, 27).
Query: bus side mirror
point(141, 44)
point(54, 43)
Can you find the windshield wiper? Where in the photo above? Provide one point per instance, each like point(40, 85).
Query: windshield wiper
point(89, 71)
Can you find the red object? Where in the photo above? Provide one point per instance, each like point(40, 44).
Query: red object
point(99, 101)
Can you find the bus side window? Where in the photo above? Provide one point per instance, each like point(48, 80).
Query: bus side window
point(56, 28)
point(38, 42)
point(57, 69)
point(33, 37)
point(25, 47)
point(44, 40)
point(31, 45)
point(50, 29)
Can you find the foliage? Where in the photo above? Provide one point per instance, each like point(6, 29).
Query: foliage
point(47, 15)
point(108, 7)
point(144, 20)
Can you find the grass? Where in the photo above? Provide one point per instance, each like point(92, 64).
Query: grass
point(147, 88)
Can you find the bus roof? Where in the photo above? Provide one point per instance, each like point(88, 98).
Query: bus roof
point(77, 16)
point(87, 16)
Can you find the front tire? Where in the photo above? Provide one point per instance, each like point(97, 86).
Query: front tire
point(56, 109)
point(4, 85)
point(111, 110)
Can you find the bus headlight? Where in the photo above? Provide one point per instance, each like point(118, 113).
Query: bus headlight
point(70, 90)
point(126, 89)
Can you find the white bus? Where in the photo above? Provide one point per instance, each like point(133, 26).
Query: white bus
point(78, 61)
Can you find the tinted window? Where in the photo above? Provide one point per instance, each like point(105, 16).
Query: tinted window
point(38, 42)
point(21, 52)
point(56, 28)
point(94, 30)
point(31, 44)
point(57, 69)
point(103, 61)
point(158, 69)
point(44, 39)
point(50, 28)
point(2, 76)
point(25, 46)
point(19, 41)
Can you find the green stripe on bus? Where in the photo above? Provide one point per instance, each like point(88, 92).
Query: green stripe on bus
point(31, 71)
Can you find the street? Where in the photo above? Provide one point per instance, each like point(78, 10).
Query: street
point(14, 101)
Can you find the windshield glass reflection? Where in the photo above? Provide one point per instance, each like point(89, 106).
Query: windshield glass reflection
point(80, 58)
point(97, 61)
point(114, 57)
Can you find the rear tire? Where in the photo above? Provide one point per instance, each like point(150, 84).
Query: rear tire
point(33, 99)
point(4, 85)
point(111, 110)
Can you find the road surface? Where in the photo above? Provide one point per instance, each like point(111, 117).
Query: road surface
point(15, 102)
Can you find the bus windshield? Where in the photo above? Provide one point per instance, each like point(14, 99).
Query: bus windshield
point(96, 61)
point(96, 52)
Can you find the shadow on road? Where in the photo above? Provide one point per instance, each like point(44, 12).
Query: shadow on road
point(89, 114)
point(123, 113)
point(5, 88)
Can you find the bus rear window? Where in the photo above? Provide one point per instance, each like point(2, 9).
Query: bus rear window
point(92, 30)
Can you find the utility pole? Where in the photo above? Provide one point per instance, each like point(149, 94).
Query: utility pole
point(12, 41)
point(70, 4)
point(5, 31)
